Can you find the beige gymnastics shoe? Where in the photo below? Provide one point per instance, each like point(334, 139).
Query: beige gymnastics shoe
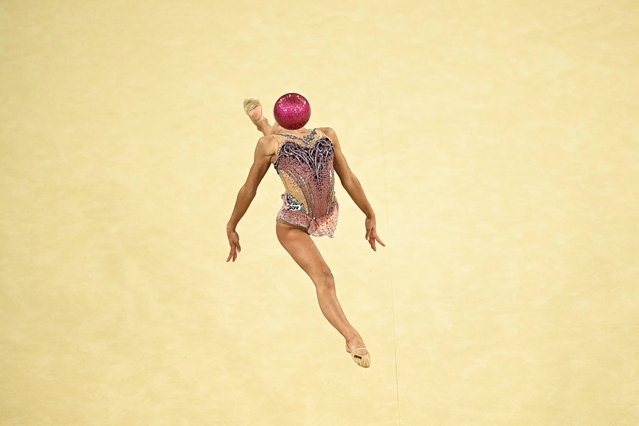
point(249, 105)
point(360, 356)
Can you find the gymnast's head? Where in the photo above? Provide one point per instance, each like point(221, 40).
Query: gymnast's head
point(292, 111)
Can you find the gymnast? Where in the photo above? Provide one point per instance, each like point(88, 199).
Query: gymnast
point(305, 159)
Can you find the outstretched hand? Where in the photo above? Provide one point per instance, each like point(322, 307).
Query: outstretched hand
point(234, 242)
point(371, 233)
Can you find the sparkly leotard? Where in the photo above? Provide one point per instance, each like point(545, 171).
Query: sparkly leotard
point(305, 165)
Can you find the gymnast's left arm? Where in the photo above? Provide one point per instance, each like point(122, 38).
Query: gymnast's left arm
point(354, 188)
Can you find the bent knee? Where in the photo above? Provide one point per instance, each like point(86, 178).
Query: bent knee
point(325, 279)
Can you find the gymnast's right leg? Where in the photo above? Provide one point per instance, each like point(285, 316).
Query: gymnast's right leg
point(253, 109)
point(305, 253)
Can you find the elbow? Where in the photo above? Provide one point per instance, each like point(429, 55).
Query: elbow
point(346, 181)
point(349, 181)
point(248, 191)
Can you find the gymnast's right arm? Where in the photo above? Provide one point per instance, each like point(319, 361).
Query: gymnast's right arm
point(261, 163)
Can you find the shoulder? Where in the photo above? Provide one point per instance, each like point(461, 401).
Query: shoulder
point(267, 144)
point(330, 132)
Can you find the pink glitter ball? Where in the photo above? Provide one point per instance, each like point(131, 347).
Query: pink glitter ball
point(292, 111)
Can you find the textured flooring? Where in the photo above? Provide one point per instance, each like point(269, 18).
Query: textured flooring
point(497, 142)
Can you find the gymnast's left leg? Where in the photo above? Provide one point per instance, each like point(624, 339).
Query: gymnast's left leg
point(305, 253)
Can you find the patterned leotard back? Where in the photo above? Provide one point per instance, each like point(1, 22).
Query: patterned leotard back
point(305, 165)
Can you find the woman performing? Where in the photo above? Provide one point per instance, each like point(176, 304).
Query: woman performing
point(305, 161)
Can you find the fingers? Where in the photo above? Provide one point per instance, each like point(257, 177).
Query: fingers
point(373, 238)
point(233, 253)
point(234, 241)
point(371, 241)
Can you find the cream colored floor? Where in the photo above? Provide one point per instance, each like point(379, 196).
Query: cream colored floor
point(497, 142)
